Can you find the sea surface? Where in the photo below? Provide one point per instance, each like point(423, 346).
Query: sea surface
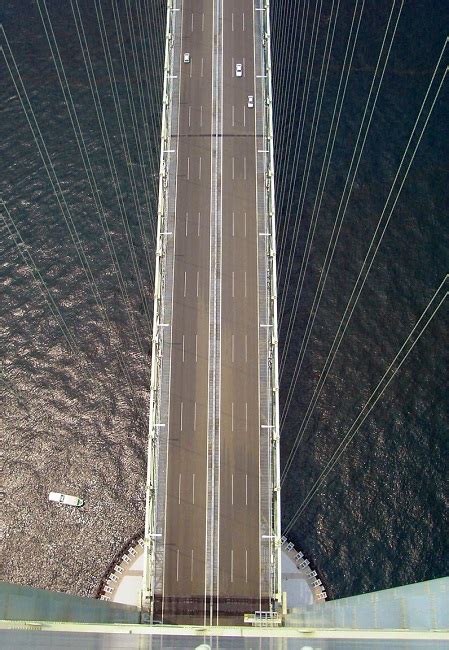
point(76, 275)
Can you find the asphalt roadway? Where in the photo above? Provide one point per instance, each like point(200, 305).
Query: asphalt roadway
point(187, 596)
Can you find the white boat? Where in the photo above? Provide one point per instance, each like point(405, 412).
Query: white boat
point(66, 499)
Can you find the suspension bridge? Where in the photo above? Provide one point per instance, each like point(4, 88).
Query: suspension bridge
point(212, 530)
point(213, 490)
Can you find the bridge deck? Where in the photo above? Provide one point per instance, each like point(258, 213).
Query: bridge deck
point(214, 487)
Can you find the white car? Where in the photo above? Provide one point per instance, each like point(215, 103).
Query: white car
point(186, 57)
point(238, 70)
point(66, 499)
point(250, 101)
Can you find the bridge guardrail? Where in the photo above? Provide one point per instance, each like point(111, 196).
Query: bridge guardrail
point(158, 334)
point(270, 243)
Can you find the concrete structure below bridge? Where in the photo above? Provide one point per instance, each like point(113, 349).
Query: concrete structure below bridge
point(124, 584)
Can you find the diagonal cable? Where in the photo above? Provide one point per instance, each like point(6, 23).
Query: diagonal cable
point(376, 240)
point(412, 339)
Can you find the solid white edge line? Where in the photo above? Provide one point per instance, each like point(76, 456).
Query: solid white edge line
point(208, 336)
point(219, 302)
point(171, 332)
point(258, 308)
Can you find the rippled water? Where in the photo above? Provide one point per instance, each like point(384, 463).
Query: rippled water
point(75, 421)
point(71, 421)
point(378, 519)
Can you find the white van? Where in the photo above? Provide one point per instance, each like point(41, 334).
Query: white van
point(66, 499)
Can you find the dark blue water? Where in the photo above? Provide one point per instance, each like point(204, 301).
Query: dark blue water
point(71, 419)
point(379, 518)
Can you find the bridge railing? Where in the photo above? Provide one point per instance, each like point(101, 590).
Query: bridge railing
point(161, 339)
point(273, 538)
